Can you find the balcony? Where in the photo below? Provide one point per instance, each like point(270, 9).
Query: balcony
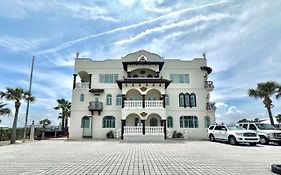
point(84, 85)
point(95, 106)
point(137, 104)
point(138, 130)
point(209, 85)
point(211, 106)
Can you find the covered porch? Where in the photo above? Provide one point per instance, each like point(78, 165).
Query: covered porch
point(153, 127)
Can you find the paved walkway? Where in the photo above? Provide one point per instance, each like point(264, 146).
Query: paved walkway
point(114, 157)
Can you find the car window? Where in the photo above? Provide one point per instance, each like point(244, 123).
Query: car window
point(218, 128)
point(263, 126)
point(252, 127)
point(235, 127)
point(211, 127)
point(245, 126)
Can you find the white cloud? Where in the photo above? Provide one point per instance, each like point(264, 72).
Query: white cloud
point(20, 44)
point(163, 17)
point(165, 27)
point(232, 110)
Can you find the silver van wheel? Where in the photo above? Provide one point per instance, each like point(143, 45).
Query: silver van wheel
point(263, 140)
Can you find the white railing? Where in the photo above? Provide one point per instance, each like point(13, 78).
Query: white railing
point(132, 104)
point(153, 104)
point(84, 85)
point(154, 130)
point(133, 130)
point(136, 104)
point(118, 133)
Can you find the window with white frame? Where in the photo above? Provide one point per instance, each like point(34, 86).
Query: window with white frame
point(118, 100)
point(82, 97)
point(179, 78)
point(188, 122)
point(170, 122)
point(108, 99)
point(207, 121)
point(108, 78)
point(108, 122)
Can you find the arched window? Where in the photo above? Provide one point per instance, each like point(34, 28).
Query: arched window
point(167, 100)
point(118, 100)
point(82, 96)
point(192, 100)
point(108, 99)
point(153, 122)
point(207, 121)
point(149, 76)
point(181, 100)
point(85, 123)
point(135, 76)
point(187, 100)
point(188, 122)
point(169, 122)
point(108, 122)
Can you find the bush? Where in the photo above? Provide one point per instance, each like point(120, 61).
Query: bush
point(110, 135)
point(177, 134)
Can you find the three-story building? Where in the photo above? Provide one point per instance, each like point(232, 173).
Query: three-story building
point(141, 96)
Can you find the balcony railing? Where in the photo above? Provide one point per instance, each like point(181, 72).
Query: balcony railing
point(149, 130)
point(154, 130)
point(133, 130)
point(137, 104)
point(84, 85)
point(130, 104)
point(209, 85)
point(211, 106)
point(153, 104)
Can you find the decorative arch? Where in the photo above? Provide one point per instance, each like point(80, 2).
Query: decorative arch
point(193, 100)
point(153, 94)
point(181, 100)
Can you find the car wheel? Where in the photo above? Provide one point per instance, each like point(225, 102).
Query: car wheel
point(232, 140)
point(253, 144)
point(263, 140)
point(212, 138)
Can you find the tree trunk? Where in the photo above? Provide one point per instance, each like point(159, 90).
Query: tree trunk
point(14, 129)
point(62, 123)
point(270, 114)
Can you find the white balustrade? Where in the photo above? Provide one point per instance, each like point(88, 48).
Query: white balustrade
point(149, 130)
point(154, 130)
point(133, 130)
point(132, 104)
point(137, 104)
point(153, 104)
point(84, 85)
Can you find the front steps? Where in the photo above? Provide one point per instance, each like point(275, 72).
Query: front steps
point(129, 137)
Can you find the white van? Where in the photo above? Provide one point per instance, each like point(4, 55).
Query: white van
point(266, 132)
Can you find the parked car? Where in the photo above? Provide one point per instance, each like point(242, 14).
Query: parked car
point(233, 134)
point(266, 132)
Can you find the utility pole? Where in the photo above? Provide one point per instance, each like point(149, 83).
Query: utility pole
point(27, 107)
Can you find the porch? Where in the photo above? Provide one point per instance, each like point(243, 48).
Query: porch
point(147, 133)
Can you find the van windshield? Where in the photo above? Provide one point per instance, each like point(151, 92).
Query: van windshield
point(234, 127)
point(263, 126)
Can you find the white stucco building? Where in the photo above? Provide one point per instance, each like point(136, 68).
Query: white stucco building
point(141, 95)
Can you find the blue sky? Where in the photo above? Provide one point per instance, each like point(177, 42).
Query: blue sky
point(241, 39)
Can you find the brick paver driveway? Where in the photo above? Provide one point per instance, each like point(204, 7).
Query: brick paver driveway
point(114, 157)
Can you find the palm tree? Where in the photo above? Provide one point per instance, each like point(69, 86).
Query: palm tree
point(3, 109)
point(278, 92)
point(64, 106)
point(45, 122)
point(16, 95)
point(278, 117)
point(265, 91)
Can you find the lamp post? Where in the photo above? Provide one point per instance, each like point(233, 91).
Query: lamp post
point(27, 107)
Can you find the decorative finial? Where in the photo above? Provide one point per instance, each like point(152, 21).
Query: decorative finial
point(204, 55)
point(77, 55)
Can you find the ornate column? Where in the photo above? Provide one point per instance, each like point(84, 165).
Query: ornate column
point(90, 81)
point(143, 101)
point(164, 100)
point(165, 128)
point(122, 128)
point(74, 80)
point(143, 126)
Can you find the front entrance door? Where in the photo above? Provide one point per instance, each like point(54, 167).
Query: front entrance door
point(87, 127)
point(153, 122)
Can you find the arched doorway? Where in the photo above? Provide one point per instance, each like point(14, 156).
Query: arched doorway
point(153, 120)
point(86, 125)
point(133, 120)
